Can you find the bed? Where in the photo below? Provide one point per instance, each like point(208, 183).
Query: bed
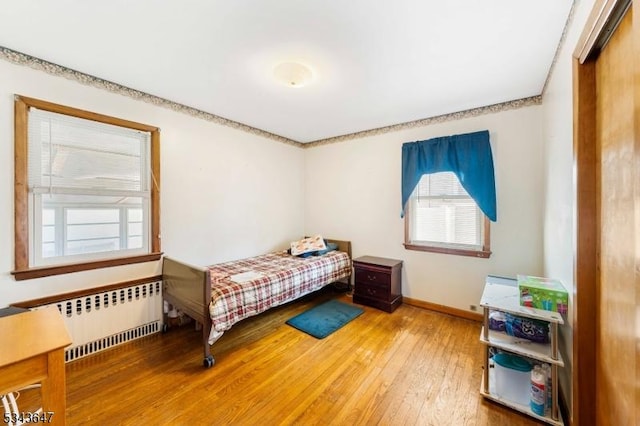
point(219, 296)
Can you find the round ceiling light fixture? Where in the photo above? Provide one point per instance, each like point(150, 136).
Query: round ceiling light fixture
point(293, 74)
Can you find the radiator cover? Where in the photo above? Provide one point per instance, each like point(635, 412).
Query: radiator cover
point(106, 319)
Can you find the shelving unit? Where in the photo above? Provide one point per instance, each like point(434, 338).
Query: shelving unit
point(501, 294)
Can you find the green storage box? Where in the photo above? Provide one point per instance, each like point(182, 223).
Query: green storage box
point(543, 293)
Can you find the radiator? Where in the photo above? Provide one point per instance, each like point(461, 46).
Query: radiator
point(103, 320)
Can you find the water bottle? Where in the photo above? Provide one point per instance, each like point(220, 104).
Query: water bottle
point(538, 394)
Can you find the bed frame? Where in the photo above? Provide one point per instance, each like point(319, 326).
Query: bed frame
point(188, 288)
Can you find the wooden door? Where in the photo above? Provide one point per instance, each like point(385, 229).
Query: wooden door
point(608, 210)
point(615, 174)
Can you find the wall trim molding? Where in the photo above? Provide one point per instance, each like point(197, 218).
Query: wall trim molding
point(23, 59)
point(423, 122)
point(443, 309)
point(561, 43)
point(51, 68)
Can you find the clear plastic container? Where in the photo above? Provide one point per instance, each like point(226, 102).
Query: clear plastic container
point(511, 378)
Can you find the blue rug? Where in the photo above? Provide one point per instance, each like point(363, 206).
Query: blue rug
point(324, 319)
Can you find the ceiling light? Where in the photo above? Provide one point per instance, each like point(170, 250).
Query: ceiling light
point(293, 74)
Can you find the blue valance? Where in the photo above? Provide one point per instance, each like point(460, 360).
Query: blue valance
point(468, 156)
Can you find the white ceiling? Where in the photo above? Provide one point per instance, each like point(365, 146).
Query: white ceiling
point(376, 63)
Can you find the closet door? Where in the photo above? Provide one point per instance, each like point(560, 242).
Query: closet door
point(608, 180)
point(616, 172)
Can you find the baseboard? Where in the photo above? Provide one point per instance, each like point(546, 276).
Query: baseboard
point(443, 309)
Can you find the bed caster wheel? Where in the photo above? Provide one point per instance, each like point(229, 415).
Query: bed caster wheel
point(165, 327)
point(208, 362)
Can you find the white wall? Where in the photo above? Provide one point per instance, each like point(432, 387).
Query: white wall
point(353, 192)
point(559, 213)
point(225, 193)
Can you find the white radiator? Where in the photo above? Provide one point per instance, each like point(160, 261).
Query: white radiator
point(103, 320)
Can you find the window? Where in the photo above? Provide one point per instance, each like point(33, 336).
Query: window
point(442, 217)
point(87, 190)
point(449, 194)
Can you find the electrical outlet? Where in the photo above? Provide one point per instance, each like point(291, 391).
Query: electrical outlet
point(473, 307)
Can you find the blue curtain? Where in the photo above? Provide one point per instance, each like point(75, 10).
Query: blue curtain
point(468, 156)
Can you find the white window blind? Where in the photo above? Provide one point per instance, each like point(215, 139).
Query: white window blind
point(89, 188)
point(84, 156)
point(444, 215)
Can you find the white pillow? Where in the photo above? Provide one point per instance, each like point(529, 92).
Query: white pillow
point(307, 245)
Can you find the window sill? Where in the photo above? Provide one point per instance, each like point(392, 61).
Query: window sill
point(485, 254)
point(47, 271)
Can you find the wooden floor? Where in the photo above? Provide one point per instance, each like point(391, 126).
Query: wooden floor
point(412, 367)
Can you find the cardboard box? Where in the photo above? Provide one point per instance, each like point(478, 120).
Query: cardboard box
point(543, 293)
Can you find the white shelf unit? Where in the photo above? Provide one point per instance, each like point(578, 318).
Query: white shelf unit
point(501, 294)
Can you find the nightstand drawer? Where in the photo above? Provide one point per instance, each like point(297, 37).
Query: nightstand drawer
point(381, 292)
point(372, 276)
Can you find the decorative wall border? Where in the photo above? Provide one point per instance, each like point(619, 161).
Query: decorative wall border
point(19, 58)
point(561, 42)
point(474, 112)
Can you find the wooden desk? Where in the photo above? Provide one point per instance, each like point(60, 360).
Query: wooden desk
point(32, 351)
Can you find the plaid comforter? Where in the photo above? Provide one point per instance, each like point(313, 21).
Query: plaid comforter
point(282, 278)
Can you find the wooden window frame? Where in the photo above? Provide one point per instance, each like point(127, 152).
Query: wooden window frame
point(21, 197)
point(484, 252)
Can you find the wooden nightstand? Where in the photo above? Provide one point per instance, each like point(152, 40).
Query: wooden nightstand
point(378, 282)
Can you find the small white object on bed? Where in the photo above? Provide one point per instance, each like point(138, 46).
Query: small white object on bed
point(245, 276)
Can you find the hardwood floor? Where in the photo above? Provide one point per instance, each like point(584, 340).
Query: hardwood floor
point(412, 367)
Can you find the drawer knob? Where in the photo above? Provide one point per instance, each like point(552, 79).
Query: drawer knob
point(371, 277)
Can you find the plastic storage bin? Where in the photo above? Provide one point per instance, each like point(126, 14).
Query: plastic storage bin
point(511, 378)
